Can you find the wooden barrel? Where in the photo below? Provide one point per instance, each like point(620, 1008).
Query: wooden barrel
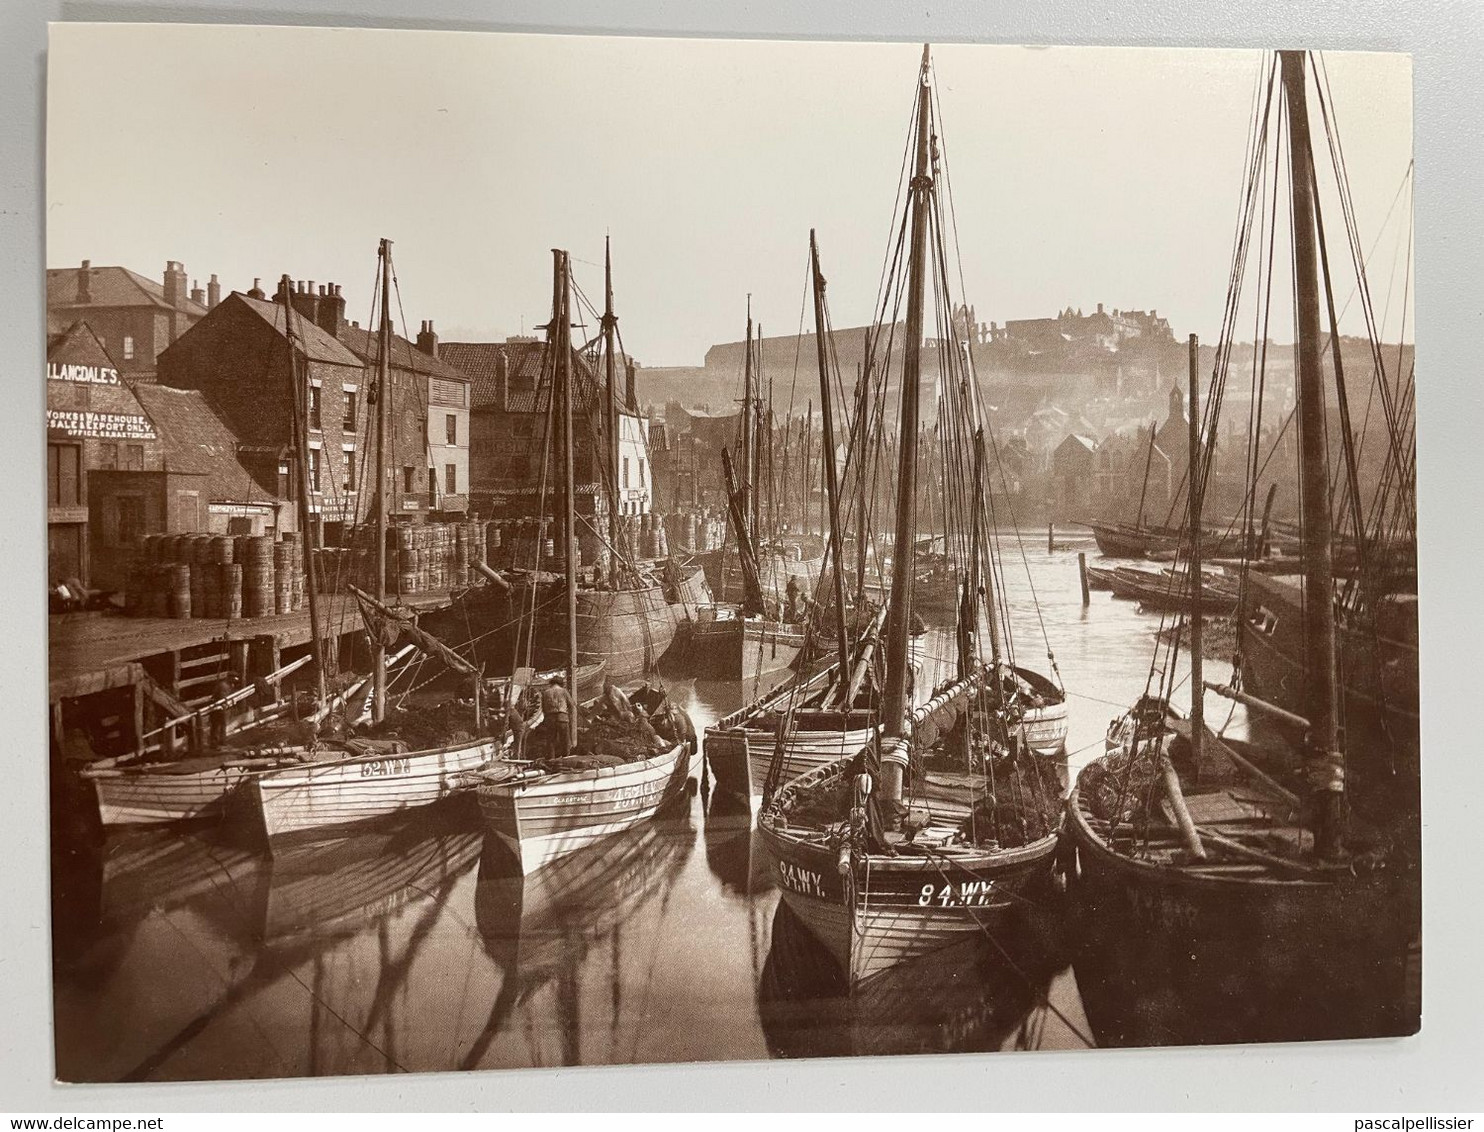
point(230, 584)
point(255, 555)
point(222, 549)
point(178, 590)
point(283, 577)
point(156, 601)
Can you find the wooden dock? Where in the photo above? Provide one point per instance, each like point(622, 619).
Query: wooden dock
point(92, 652)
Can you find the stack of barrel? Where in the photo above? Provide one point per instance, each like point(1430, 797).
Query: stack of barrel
point(254, 554)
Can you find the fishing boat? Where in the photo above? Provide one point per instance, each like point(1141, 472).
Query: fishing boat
point(764, 633)
point(1164, 589)
point(629, 610)
point(961, 832)
point(612, 771)
point(400, 758)
point(1227, 891)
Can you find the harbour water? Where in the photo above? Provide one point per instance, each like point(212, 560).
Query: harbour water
point(193, 954)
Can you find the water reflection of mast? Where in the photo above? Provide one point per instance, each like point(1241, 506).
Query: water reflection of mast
point(541, 929)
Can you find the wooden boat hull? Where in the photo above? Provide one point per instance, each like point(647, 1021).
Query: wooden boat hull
point(1166, 957)
point(345, 792)
point(145, 798)
point(1379, 682)
point(735, 648)
point(627, 631)
point(891, 909)
point(542, 818)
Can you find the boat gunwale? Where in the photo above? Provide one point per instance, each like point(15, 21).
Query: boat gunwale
point(1082, 834)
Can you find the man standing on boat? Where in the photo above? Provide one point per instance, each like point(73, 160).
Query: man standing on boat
point(557, 707)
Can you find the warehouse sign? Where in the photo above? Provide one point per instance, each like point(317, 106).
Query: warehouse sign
point(81, 375)
point(100, 426)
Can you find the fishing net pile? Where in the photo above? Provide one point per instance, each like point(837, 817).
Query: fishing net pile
point(423, 726)
point(1120, 786)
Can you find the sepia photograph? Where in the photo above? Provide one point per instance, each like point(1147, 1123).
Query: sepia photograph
point(572, 550)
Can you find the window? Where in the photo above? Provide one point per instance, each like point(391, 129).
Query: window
point(409, 484)
point(63, 483)
point(285, 484)
point(451, 427)
point(432, 481)
point(131, 520)
point(641, 471)
point(314, 417)
point(134, 457)
point(314, 463)
point(451, 477)
point(128, 348)
point(108, 455)
point(349, 423)
point(348, 481)
point(626, 472)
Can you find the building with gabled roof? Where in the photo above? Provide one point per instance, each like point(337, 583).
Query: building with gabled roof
point(94, 423)
point(511, 386)
point(134, 316)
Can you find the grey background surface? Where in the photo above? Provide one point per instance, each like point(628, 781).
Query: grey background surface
point(1436, 1072)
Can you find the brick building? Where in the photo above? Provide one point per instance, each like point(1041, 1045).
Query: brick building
point(94, 423)
point(510, 400)
point(134, 317)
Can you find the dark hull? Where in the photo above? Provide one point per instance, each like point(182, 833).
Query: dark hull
point(1124, 540)
point(736, 649)
point(1166, 957)
point(1379, 685)
point(626, 630)
point(890, 910)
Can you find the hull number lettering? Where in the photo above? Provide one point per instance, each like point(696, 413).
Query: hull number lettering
point(969, 894)
point(380, 768)
point(805, 881)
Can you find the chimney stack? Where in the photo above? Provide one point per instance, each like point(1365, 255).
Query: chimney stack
point(502, 380)
point(257, 291)
point(305, 301)
point(629, 398)
point(427, 339)
point(198, 296)
point(85, 282)
point(175, 283)
point(331, 316)
point(213, 292)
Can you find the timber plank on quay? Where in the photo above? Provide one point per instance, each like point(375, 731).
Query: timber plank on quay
point(84, 650)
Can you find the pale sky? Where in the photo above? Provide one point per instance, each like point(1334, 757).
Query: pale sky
point(1079, 174)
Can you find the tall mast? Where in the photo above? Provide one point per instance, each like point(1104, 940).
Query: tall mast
point(827, 449)
point(899, 624)
point(749, 441)
point(301, 474)
point(1197, 689)
point(611, 419)
point(1148, 462)
point(1319, 600)
point(383, 398)
point(981, 554)
point(561, 337)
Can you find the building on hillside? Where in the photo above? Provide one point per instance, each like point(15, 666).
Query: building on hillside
point(1131, 479)
point(1072, 476)
point(94, 423)
point(134, 317)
